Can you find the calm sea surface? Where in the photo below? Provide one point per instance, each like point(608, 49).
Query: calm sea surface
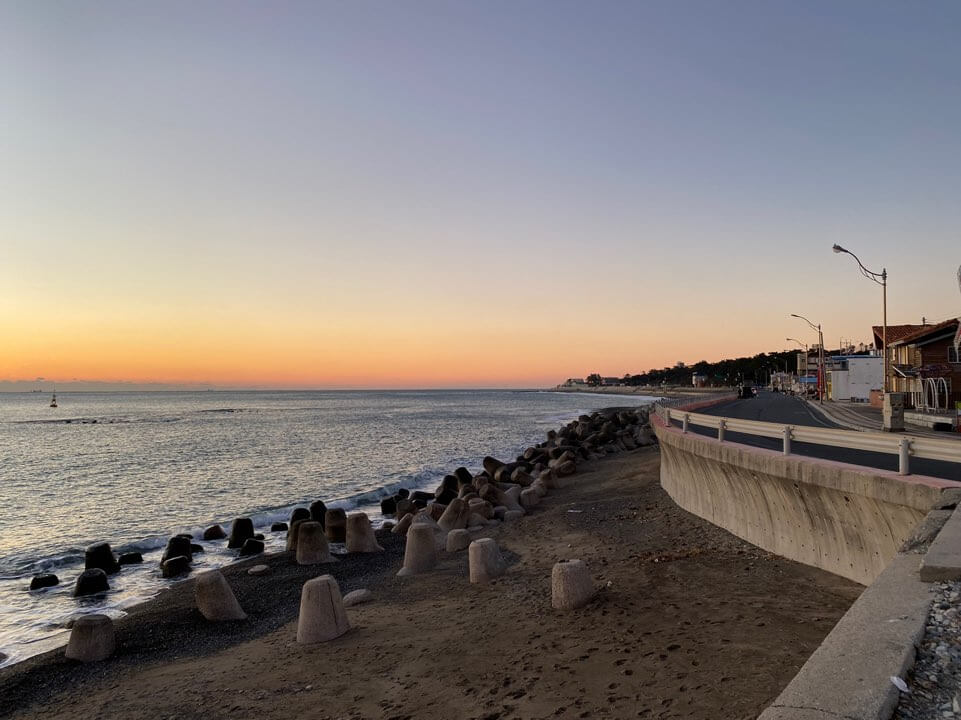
point(134, 468)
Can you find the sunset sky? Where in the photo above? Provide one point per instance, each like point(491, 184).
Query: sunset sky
point(437, 194)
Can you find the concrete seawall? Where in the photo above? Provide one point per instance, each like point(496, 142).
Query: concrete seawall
point(842, 518)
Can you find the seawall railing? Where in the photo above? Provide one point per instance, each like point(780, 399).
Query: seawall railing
point(904, 446)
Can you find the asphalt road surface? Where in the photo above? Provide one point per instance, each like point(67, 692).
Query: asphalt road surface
point(787, 410)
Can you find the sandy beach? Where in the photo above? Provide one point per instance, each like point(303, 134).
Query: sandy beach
point(688, 622)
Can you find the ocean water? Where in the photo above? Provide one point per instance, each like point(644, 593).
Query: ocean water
point(134, 468)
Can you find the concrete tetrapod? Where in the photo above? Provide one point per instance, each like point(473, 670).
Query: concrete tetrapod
point(312, 546)
point(512, 498)
point(403, 526)
point(529, 499)
point(440, 535)
point(455, 516)
point(571, 585)
point(457, 540)
point(91, 639)
point(292, 533)
point(420, 555)
point(335, 525)
point(482, 508)
point(485, 560)
point(322, 614)
point(360, 534)
point(215, 600)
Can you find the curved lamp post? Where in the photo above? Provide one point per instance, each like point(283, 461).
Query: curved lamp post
point(881, 279)
point(803, 345)
point(820, 355)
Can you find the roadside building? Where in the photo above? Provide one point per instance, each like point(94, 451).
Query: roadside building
point(924, 363)
point(699, 380)
point(853, 377)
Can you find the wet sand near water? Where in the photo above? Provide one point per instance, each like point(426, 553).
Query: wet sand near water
point(689, 622)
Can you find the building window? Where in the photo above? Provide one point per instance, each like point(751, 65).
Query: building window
point(954, 354)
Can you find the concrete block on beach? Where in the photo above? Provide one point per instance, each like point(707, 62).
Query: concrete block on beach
point(403, 526)
point(90, 582)
point(360, 534)
point(214, 532)
point(240, 530)
point(571, 585)
point(312, 546)
point(529, 499)
point(99, 555)
point(299, 513)
point(322, 615)
point(420, 554)
point(335, 525)
point(91, 639)
point(44, 581)
point(482, 508)
point(455, 516)
point(215, 600)
point(294, 531)
point(440, 535)
point(457, 540)
point(252, 546)
point(521, 477)
point(512, 499)
point(484, 558)
point(177, 545)
point(318, 512)
point(404, 506)
point(175, 566)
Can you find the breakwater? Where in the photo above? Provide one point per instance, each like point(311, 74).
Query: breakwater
point(134, 469)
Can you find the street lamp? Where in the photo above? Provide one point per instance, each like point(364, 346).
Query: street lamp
point(805, 347)
point(820, 355)
point(881, 279)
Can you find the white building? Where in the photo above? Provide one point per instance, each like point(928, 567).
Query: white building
point(853, 377)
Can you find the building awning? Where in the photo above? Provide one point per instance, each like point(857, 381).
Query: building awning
point(905, 371)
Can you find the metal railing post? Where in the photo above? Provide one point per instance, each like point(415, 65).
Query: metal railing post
point(787, 439)
point(720, 430)
point(904, 454)
point(684, 425)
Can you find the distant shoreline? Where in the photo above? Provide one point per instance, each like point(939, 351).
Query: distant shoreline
point(670, 392)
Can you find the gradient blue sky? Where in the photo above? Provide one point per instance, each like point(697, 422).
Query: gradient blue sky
point(379, 193)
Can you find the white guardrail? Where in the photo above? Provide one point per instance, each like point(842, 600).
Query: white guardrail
point(904, 446)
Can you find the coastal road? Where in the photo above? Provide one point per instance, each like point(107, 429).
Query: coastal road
point(784, 409)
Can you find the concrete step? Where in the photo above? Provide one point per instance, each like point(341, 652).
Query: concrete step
point(943, 559)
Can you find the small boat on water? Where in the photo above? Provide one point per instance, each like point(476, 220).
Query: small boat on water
point(53, 400)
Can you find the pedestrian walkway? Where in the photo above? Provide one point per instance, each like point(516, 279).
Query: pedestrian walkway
point(861, 416)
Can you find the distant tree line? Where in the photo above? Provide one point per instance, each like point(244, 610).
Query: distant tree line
point(756, 369)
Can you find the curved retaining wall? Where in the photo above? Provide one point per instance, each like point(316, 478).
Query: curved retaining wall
point(846, 519)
